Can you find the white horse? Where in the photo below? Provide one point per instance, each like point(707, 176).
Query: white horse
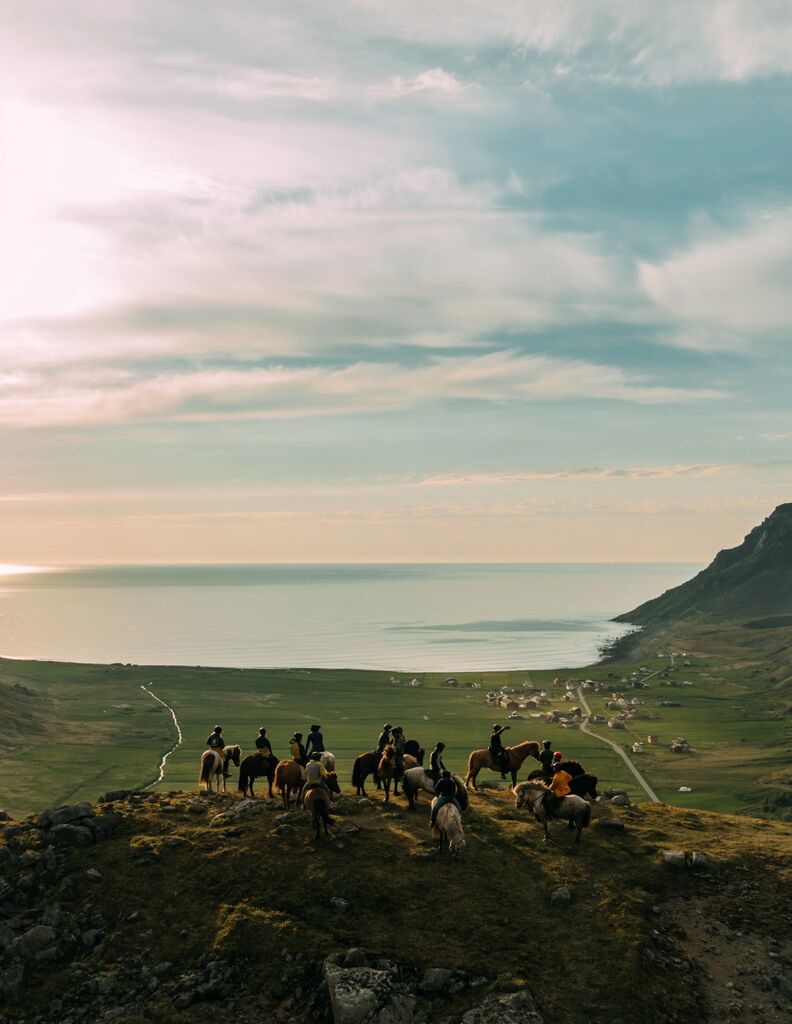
point(212, 762)
point(328, 760)
point(573, 809)
point(448, 828)
point(417, 779)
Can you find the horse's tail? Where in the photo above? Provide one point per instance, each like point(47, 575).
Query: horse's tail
point(244, 778)
point(593, 787)
point(585, 816)
point(470, 768)
point(462, 795)
point(206, 772)
point(357, 774)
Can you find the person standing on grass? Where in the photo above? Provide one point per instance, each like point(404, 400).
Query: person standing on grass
point(315, 741)
point(398, 741)
point(546, 757)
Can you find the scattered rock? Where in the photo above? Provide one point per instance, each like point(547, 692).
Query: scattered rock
point(35, 938)
point(65, 815)
point(620, 800)
point(516, 1008)
point(69, 835)
point(93, 875)
point(694, 860)
point(435, 979)
point(560, 895)
point(363, 995)
point(611, 824)
point(339, 902)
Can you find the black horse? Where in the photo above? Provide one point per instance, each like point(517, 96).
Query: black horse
point(581, 783)
point(253, 767)
point(414, 748)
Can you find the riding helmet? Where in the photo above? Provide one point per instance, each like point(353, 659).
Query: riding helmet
point(218, 728)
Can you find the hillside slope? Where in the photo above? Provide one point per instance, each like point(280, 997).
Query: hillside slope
point(157, 909)
point(751, 580)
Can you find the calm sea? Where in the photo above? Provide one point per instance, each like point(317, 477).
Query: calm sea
point(406, 618)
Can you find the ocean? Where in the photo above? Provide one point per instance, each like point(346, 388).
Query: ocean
point(403, 618)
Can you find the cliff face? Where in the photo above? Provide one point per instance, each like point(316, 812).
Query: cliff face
point(751, 580)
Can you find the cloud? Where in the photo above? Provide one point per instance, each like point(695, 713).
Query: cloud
point(280, 391)
point(612, 473)
point(727, 288)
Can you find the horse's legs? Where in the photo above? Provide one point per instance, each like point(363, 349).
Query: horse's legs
point(514, 777)
point(387, 792)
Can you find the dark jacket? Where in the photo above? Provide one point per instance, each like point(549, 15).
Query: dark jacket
point(446, 787)
point(215, 742)
point(314, 743)
point(263, 745)
point(546, 759)
point(384, 740)
point(496, 743)
point(436, 761)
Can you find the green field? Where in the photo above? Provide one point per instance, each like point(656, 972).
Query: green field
point(74, 731)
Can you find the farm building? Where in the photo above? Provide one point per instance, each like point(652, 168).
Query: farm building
point(615, 723)
point(680, 746)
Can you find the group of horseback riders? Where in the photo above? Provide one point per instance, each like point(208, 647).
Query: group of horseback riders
point(308, 756)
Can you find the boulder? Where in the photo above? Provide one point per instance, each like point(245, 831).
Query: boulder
point(5, 816)
point(620, 800)
point(675, 858)
point(35, 938)
point(11, 980)
point(103, 825)
point(560, 895)
point(515, 1008)
point(363, 995)
point(65, 815)
point(610, 824)
point(241, 809)
point(69, 835)
point(435, 979)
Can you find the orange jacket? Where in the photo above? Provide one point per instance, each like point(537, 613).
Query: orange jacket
point(560, 783)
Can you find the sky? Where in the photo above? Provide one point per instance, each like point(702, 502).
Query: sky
point(458, 280)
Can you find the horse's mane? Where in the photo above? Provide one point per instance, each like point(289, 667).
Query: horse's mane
point(525, 743)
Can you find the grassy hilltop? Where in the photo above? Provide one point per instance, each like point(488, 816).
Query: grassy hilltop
point(637, 940)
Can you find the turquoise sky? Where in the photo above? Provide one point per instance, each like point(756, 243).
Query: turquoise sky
point(353, 281)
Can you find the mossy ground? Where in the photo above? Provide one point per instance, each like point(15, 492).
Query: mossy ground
point(256, 894)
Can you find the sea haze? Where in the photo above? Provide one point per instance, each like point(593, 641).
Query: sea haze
point(406, 618)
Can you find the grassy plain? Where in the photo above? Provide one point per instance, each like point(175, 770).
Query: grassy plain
point(74, 731)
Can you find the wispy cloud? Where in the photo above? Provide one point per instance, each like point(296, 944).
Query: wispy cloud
point(595, 473)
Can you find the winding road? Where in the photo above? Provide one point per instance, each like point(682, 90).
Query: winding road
point(175, 746)
point(655, 799)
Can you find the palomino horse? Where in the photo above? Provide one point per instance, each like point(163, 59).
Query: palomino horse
point(483, 759)
point(213, 763)
point(417, 779)
point(448, 829)
point(317, 802)
point(289, 778)
point(573, 809)
point(254, 767)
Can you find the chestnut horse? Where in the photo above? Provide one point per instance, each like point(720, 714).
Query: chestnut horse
point(289, 778)
point(317, 801)
point(212, 765)
point(483, 759)
point(387, 771)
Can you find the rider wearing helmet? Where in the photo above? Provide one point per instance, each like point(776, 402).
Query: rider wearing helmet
point(315, 742)
point(499, 755)
point(436, 766)
point(297, 749)
point(445, 793)
point(557, 790)
point(546, 757)
point(384, 737)
point(215, 742)
point(315, 773)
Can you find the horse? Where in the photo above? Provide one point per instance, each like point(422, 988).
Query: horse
point(516, 755)
point(387, 771)
point(417, 779)
point(368, 764)
point(574, 809)
point(448, 828)
point(213, 763)
point(414, 749)
point(289, 778)
point(317, 801)
point(581, 784)
point(328, 760)
point(253, 767)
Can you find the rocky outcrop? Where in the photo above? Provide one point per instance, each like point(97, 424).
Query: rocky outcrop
point(515, 1008)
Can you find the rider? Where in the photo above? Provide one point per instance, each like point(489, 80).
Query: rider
point(445, 793)
point(263, 745)
point(557, 790)
point(315, 742)
point(546, 757)
point(297, 748)
point(215, 742)
point(556, 760)
point(499, 755)
point(398, 740)
point(315, 773)
point(384, 737)
point(436, 766)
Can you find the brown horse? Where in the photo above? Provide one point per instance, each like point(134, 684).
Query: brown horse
point(318, 801)
point(387, 771)
point(289, 778)
point(483, 759)
point(368, 764)
point(253, 767)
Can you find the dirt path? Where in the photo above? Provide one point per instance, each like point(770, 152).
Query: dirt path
point(655, 799)
point(175, 746)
